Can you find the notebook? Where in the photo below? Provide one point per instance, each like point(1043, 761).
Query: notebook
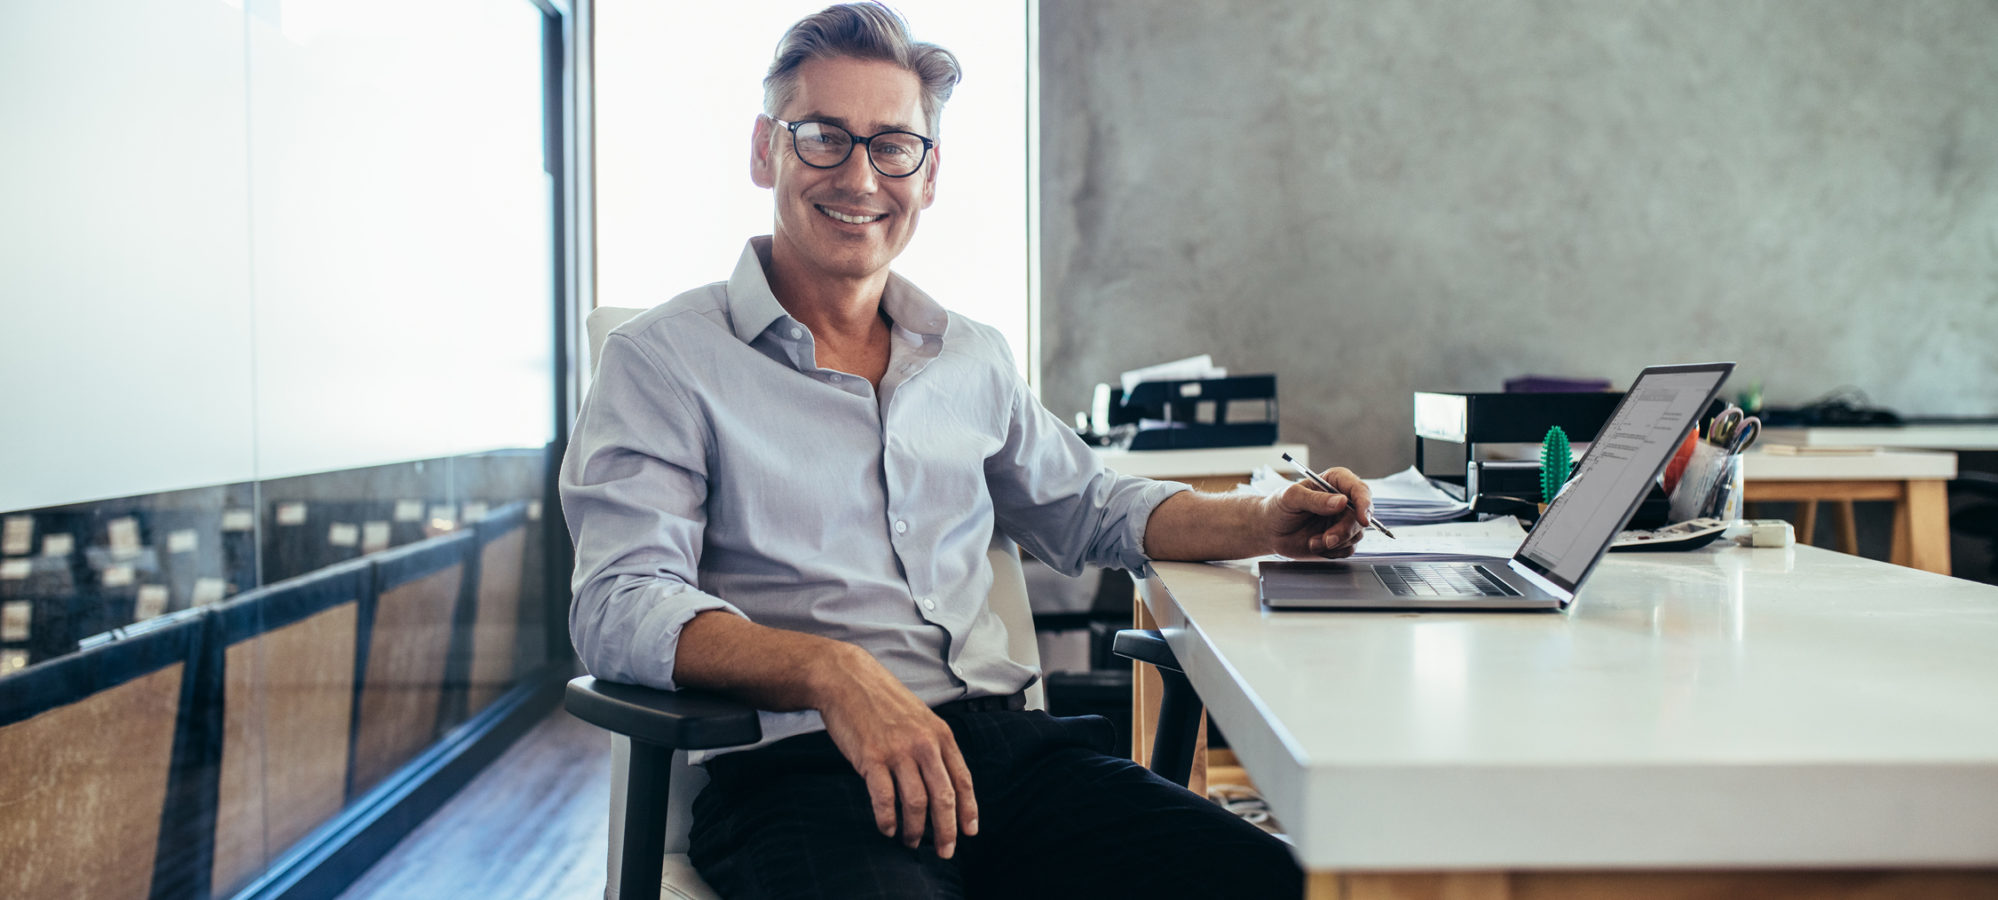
point(1564, 547)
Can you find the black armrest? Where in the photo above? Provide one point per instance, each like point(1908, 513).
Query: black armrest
point(682, 720)
point(1179, 707)
point(1981, 483)
point(1145, 647)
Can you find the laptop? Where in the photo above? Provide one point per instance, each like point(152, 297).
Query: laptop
point(1558, 555)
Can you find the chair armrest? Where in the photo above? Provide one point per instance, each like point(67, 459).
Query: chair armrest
point(1145, 646)
point(682, 720)
point(1984, 483)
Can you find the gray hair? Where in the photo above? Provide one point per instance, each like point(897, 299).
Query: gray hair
point(860, 31)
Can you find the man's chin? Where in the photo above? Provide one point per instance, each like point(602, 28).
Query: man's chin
point(855, 265)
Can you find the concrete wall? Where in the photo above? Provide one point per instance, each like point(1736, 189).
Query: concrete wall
point(1371, 198)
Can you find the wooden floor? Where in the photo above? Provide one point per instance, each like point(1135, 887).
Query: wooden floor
point(532, 825)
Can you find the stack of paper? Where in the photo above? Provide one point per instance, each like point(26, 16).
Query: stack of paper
point(1192, 367)
point(1408, 498)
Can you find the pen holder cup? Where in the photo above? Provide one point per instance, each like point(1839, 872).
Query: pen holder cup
point(1728, 493)
point(1711, 486)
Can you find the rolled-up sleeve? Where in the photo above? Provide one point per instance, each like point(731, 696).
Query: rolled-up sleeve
point(1053, 494)
point(634, 487)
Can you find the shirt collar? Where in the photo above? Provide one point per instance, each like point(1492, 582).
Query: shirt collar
point(752, 307)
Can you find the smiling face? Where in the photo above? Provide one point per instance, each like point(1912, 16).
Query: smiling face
point(847, 222)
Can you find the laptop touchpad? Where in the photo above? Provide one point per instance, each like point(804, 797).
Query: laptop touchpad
point(1317, 580)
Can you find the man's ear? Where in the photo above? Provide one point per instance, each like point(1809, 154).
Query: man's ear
point(762, 164)
point(930, 176)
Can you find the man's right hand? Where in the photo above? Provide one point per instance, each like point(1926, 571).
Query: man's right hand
point(915, 775)
point(908, 757)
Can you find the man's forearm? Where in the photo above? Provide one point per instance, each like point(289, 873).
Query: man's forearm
point(1191, 525)
point(769, 668)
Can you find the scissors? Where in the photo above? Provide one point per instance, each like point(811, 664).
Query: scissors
point(1723, 426)
point(1743, 435)
point(1734, 430)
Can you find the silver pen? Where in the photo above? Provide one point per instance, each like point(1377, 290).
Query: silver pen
point(1372, 522)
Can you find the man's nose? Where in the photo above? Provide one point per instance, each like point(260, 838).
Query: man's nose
point(857, 173)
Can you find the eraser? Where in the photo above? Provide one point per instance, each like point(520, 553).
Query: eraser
point(1764, 533)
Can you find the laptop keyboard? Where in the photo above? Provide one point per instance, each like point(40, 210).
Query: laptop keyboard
point(1442, 580)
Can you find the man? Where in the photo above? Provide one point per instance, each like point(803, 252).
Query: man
point(782, 487)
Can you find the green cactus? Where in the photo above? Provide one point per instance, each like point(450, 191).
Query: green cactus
point(1555, 463)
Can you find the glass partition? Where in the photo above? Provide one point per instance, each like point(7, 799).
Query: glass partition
point(279, 300)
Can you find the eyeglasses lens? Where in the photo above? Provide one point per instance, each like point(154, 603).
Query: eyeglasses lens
point(894, 153)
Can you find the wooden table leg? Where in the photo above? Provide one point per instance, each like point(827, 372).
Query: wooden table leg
point(1921, 526)
point(1848, 527)
point(1921, 513)
point(1807, 521)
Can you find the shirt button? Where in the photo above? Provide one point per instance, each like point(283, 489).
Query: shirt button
point(797, 332)
point(901, 527)
point(929, 603)
point(832, 377)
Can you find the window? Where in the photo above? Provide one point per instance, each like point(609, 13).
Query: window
point(672, 214)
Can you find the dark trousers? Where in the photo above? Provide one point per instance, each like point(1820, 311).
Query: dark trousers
point(1060, 815)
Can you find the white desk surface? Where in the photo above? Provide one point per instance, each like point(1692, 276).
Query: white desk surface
point(1203, 463)
point(1710, 709)
point(1935, 437)
point(1886, 465)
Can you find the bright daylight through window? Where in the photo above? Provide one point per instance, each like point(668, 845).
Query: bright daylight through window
point(678, 88)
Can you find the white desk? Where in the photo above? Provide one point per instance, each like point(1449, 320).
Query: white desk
point(1966, 436)
point(1231, 463)
point(1694, 713)
point(1915, 481)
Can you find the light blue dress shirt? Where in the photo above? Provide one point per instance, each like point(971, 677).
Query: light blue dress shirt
point(715, 465)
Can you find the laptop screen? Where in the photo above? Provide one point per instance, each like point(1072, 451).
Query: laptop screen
point(1618, 470)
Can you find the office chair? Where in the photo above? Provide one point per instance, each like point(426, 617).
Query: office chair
point(1978, 520)
point(653, 787)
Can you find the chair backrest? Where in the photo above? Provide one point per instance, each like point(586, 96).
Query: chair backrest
point(599, 324)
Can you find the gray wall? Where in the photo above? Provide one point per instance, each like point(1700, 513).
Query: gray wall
point(1371, 198)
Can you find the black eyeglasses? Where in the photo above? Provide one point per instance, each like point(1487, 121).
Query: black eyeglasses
point(823, 145)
